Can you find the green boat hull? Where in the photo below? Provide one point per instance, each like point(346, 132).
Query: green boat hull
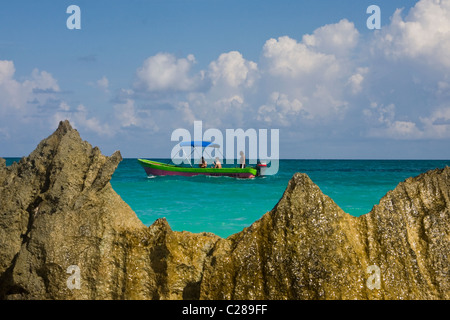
point(154, 168)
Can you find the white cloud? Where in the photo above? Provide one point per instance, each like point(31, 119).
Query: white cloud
point(310, 78)
point(321, 82)
point(224, 100)
point(437, 124)
point(103, 83)
point(424, 35)
point(382, 124)
point(11, 91)
point(335, 39)
point(216, 95)
point(280, 110)
point(43, 81)
point(79, 118)
point(434, 126)
point(129, 115)
point(380, 114)
point(403, 130)
point(35, 99)
point(185, 112)
point(7, 70)
point(126, 114)
point(334, 83)
point(356, 80)
point(326, 51)
point(215, 109)
point(409, 67)
point(16, 95)
point(164, 72)
point(233, 70)
point(286, 57)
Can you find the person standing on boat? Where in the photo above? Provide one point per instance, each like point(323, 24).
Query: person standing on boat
point(203, 163)
point(242, 160)
point(217, 164)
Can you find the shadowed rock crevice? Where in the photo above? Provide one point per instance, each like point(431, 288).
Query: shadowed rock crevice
point(192, 291)
point(58, 209)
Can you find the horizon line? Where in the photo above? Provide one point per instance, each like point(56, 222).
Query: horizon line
point(301, 159)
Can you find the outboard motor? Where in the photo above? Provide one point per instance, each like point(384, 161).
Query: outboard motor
point(261, 168)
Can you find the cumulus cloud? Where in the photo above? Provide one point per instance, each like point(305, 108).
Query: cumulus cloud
point(11, 91)
point(403, 130)
point(437, 124)
point(216, 110)
point(129, 115)
point(216, 94)
point(16, 95)
point(398, 130)
point(317, 73)
point(231, 69)
point(372, 84)
point(36, 99)
point(164, 72)
point(334, 81)
point(380, 114)
point(408, 73)
point(103, 83)
point(285, 57)
point(336, 39)
point(356, 80)
point(384, 124)
point(7, 70)
point(280, 110)
point(294, 81)
point(79, 118)
point(424, 34)
point(42, 80)
point(126, 114)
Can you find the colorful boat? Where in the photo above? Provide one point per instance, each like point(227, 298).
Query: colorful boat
point(155, 168)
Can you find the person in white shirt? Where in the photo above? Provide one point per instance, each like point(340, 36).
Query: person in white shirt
point(242, 160)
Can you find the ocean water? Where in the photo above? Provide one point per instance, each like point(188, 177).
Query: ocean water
point(224, 205)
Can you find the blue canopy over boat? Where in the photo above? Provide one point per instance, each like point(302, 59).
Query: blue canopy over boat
point(202, 144)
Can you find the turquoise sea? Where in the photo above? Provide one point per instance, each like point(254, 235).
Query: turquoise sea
point(224, 205)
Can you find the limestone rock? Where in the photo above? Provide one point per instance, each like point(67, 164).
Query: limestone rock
point(59, 210)
point(60, 219)
point(299, 250)
point(308, 248)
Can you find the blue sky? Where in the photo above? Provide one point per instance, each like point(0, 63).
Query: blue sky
point(138, 70)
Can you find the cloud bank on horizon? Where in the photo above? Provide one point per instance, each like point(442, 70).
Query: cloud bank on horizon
point(334, 86)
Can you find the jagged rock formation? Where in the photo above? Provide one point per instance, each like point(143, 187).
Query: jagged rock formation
point(308, 248)
point(58, 209)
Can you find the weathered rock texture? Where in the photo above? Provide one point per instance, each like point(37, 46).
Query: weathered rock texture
point(58, 209)
point(308, 248)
